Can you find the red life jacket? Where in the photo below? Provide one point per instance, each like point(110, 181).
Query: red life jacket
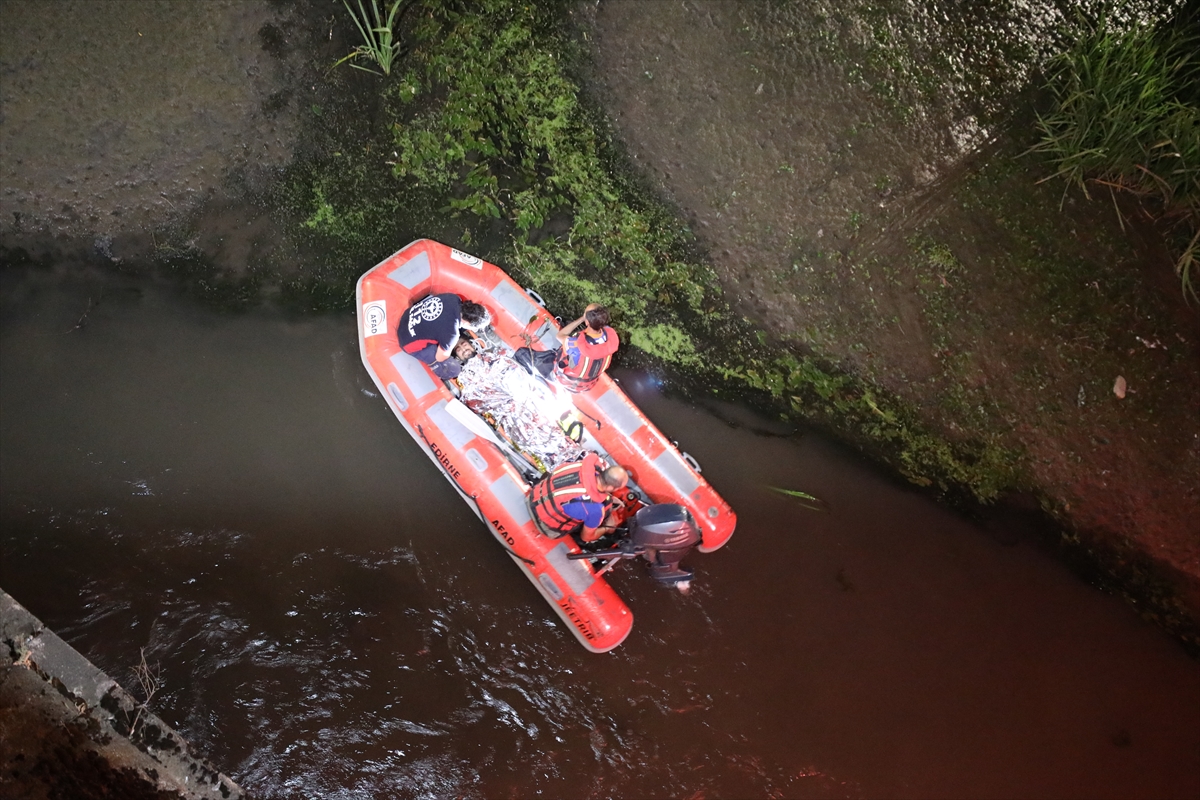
point(569, 482)
point(594, 358)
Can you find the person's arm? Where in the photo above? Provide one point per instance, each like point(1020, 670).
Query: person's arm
point(565, 333)
point(607, 526)
point(447, 370)
point(590, 515)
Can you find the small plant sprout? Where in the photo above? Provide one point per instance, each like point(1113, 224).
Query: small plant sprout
point(378, 36)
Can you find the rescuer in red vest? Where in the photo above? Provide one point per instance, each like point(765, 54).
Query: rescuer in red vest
point(581, 358)
point(577, 496)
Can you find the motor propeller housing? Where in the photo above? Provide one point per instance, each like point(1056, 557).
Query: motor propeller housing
point(664, 534)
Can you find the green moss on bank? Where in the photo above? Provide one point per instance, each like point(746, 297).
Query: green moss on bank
point(482, 121)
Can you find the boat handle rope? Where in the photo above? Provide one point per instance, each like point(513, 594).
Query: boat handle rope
point(529, 561)
point(537, 297)
point(693, 463)
point(599, 424)
point(425, 439)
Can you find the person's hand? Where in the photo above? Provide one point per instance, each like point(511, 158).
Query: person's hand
point(609, 525)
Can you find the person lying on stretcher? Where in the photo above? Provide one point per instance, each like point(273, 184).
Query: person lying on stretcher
point(519, 407)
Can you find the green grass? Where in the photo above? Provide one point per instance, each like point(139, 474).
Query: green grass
point(1126, 119)
point(492, 119)
point(377, 28)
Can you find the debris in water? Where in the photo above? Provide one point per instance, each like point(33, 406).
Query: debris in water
point(1119, 387)
point(807, 500)
point(844, 581)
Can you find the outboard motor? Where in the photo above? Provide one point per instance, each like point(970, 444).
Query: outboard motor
point(664, 534)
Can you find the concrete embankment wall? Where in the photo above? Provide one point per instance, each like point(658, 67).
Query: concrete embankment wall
point(69, 730)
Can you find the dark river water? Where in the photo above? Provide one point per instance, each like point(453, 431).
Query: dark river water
point(228, 493)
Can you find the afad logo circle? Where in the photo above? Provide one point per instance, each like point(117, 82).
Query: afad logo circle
point(374, 316)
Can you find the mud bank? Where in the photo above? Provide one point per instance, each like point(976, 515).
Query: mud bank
point(69, 730)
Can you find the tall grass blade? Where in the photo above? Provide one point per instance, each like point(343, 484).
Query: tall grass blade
point(379, 46)
point(1125, 117)
point(806, 500)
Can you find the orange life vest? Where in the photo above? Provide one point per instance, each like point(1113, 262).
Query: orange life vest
point(594, 358)
point(569, 482)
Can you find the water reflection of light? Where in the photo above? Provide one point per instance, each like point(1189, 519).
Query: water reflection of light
point(641, 382)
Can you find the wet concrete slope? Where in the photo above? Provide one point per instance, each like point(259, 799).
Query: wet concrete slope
point(121, 117)
point(69, 730)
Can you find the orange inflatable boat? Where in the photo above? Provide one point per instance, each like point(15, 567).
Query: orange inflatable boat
point(491, 475)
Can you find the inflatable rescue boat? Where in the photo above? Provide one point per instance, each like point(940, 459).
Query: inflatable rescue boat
point(492, 473)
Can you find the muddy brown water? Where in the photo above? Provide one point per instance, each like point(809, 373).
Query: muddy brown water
point(229, 493)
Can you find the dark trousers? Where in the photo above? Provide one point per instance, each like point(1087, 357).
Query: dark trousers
point(540, 360)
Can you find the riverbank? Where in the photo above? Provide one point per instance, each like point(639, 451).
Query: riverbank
point(868, 262)
point(69, 730)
